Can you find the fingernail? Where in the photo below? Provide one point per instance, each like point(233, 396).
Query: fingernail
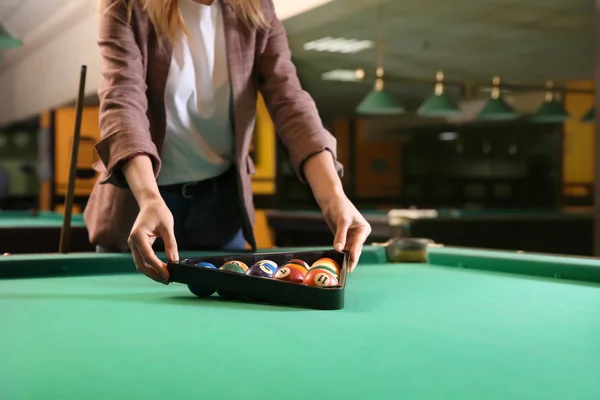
point(338, 246)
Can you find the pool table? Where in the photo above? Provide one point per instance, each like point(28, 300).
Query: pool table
point(564, 231)
point(468, 324)
point(26, 232)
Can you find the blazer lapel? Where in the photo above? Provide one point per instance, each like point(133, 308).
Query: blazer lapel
point(235, 59)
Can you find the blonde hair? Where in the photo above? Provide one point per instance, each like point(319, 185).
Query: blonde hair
point(164, 15)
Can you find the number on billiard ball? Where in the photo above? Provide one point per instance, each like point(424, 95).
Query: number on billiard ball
point(320, 277)
point(288, 273)
point(269, 264)
point(261, 270)
point(234, 266)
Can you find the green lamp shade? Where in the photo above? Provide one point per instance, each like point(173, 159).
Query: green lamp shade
point(550, 112)
point(438, 106)
point(590, 116)
point(379, 102)
point(497, 110)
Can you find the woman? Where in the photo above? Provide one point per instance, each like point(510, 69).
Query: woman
point(177, 110)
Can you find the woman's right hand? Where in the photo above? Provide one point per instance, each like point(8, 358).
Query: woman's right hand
point(154, 220)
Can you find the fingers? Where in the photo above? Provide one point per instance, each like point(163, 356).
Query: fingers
point(168, 237)
point(342, 227)
point(359, 237)
point(141, 266)
point(139, 241)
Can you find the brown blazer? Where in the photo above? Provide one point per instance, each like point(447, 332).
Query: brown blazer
point(132, 110)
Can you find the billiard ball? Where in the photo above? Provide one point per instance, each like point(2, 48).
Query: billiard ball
point(234, 266)
point(331, 260)
point(288, 273)
point(299, 262)
point(320, 277)
point(205, 264)
point(260, 269)
point(328, 264)
point(201, 290)
point(325, 261)
point(324, 266)
point(272, 265)
point(297, 266)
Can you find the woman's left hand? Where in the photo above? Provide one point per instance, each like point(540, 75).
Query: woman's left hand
point(350, 228)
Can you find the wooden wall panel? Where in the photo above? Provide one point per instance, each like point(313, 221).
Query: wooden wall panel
point(45, 161)
point(579, 141)
point(341, 131)
point(378, 165)
point(64, 123)
point(263, 151)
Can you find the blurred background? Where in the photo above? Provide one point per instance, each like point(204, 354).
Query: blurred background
point(468, 122)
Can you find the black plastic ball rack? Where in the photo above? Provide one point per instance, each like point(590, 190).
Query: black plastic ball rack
point(265, 290)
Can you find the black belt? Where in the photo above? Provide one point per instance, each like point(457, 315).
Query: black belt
point(191, 190)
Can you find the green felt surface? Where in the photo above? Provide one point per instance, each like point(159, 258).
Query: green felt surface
point(408, 331)
point(586, 269)
point(25, 219)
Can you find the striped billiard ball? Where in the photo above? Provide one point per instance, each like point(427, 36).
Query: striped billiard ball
point(299, 267)
point(260, 269)
point(327, 263)
point(234, 266)
point(299, 262)
point(272, 265)
point(320, 277)
point(331, 260)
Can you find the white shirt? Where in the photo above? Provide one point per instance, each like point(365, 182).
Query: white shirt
point(199, 142)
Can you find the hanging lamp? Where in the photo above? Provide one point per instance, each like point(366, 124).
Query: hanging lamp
point(439, 104)
point(379, 101)
point(496, 108)
point(550, 111)
point(590, 116)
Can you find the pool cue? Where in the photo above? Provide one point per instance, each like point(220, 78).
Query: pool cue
point(65, 233)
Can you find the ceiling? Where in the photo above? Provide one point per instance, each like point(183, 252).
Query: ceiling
point(522, 41)
point(36, 22)
point(22, 17)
